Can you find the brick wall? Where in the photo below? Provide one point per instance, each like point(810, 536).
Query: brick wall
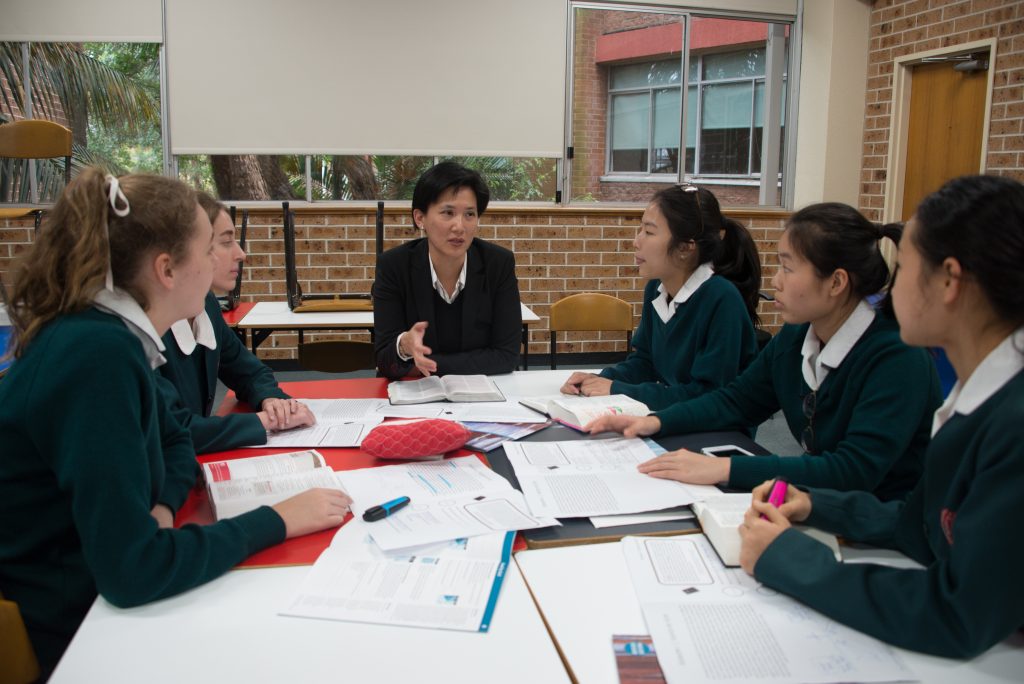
point(903, 27)
point(558, 252)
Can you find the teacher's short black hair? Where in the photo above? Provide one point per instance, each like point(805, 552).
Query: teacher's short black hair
point(449, 176)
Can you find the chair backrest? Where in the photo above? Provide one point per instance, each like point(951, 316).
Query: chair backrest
point(337, 356)
point(19, 660)
point(590, 311)
point(36, 139)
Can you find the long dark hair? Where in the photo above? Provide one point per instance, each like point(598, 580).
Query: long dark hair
point(832, 235)
point(693, 214)
point(979, 221)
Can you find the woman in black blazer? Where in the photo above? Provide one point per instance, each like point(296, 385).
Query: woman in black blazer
point(447, 303)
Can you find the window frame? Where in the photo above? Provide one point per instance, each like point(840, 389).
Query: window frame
point(791, 78)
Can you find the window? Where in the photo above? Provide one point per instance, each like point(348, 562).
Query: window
point(356, 177)
point(643, 117)
point(729, 96)
point(108, 94)
point(627, 107)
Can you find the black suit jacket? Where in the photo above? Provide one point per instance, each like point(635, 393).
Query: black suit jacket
point(491, 318)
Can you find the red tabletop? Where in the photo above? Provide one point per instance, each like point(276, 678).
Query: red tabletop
point(235, 316)
point(306, 549)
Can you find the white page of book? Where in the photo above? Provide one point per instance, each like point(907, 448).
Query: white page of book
point(709, 622)
point(678, 513)
point(346, 434)
point(453, 585)
point(262, 466)
point(594, 477)
point(458, 497)
point(232, 498)
point(475, 411)
point(426, 389)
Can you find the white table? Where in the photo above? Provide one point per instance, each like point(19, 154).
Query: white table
point(266, 317)
point(228, 631)
point(586, 596)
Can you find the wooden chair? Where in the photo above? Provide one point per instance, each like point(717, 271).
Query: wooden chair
point(19, 660)
point(337, 356)
point(34, 139)
point(590, 311)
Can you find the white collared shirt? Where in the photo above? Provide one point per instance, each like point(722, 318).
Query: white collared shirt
point(124, 306)
point(817, 361)
point(189, 336)
point(667, 309)
point(459, 284)
point(997, 369)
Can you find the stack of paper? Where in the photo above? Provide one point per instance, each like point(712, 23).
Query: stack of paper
point(712, 623)
point(594, 477)
point(451, 585)
point(339, 423)
point(458, 497)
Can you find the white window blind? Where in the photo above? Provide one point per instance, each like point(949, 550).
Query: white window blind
point(129, 21)
point(458, 77)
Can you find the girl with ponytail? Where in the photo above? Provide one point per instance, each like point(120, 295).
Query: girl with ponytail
point(93, 465)
point(960, 287)
point(696, 329)
point(857, 399)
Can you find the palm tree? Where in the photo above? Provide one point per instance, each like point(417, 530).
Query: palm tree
point(69, 85)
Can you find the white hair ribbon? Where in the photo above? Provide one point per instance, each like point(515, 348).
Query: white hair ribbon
point(119, 205)
point(118, 202)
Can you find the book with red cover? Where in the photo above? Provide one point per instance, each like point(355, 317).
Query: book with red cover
point(306, 549)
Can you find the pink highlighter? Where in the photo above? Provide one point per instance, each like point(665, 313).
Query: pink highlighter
point(778, 494)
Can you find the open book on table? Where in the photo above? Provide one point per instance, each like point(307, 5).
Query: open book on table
point(447, 388)
point(241, 485)
point(720, 518)
point(576, 412)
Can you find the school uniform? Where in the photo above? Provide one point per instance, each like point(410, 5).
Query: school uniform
point(962, 522)
point(89, 449)
point(688, 344)
point(197, 355)
point(865, 427)
point(474, 330)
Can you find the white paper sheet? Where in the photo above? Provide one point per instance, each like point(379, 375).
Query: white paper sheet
point(594, 477)
point(346, 434)
point(694, 605)
point(678, 513)
point(459, 497)
point(453, 585)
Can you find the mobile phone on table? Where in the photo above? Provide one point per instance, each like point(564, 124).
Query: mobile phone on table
point(725, 450)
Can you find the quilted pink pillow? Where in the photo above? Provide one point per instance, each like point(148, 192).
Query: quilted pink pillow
point(415, 439)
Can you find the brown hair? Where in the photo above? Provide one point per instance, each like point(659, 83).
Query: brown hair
point(212, 207)
point(66, 265)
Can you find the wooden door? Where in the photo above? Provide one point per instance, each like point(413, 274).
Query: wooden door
point(947, 119)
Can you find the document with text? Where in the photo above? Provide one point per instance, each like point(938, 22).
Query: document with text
point(457, 497)
point(712, 623)
point(594, 477)
point(452, 585)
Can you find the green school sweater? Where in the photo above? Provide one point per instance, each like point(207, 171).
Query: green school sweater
point(191, 383)
point(703, 346)
point(871, 423)
point(962, 522)
point(88, 449)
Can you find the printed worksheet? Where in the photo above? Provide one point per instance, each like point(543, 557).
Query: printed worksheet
point(710, 622)
point(349, 433)
point(594, 477)
point(458, 497)
point(451, 585)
